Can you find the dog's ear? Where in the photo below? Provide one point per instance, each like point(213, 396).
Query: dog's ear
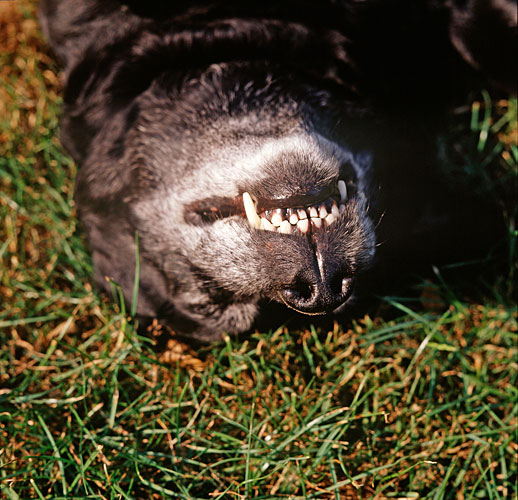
point(485, 33)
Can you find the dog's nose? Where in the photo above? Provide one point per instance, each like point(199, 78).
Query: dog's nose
point(318, 297)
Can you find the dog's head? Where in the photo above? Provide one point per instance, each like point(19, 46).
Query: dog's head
point(239, 187)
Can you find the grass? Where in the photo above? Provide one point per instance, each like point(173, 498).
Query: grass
point(418, 401)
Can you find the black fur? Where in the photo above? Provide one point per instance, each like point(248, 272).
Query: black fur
point(173, 110)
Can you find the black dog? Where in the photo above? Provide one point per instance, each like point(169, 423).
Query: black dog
point(255, 146)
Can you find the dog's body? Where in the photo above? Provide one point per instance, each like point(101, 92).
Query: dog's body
point(179, 115)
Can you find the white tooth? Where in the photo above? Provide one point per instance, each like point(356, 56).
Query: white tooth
point(312, 212)
point(330, 219)
point(277, 219)
point(303, 225)
point(302, 213)
point(293, 219)
point(251, 214)
point(342, 208)
point(334, 209)
point(322, 212)
point(343, 190)
point(285, 227)
point(267, 225)
point(316, 221)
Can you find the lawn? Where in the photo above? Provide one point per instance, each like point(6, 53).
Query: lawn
point(417, 400)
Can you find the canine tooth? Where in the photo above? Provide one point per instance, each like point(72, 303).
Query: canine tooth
point(330, 219)
point(268, 215)
point(322, 212)
point(343, 190)
point(285, 227)
point(342, 208)
point(312, 211)
point(317, 222)
point(267, 225)
point(334, 209)
point(277, 217)
point(293, 219)
point(251, 214)
point(303, 225)
point(302, 213)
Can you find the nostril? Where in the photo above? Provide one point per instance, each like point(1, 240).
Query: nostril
point(300, 291)
point(301, 295)
point(341, 284)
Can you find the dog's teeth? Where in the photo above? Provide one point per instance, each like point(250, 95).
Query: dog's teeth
point(330, 219)
point(303, 225)
point(343, 190)
point(291, 215)
point(322, 213)
point(251, 214)
point(285, 227)
point(267, 225)
point(317, 222)
point(277, 217)
point(284, 220)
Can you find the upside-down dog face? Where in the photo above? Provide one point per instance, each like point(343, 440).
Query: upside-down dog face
point(239, 195)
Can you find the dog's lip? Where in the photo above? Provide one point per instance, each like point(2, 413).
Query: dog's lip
point(215, 208)
point(299, 200)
